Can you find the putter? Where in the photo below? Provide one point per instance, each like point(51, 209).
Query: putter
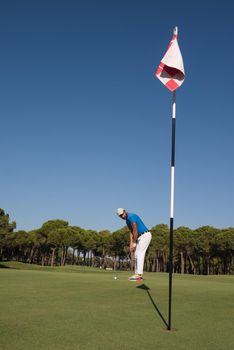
point(133, 262)
point(115, 273)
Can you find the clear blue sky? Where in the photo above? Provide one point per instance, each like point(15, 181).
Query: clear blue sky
point(86, 127)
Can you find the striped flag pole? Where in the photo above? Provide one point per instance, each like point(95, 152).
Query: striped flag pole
point(172, 206)
point(171, 73)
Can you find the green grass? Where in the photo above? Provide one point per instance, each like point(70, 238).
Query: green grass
point(86, 309)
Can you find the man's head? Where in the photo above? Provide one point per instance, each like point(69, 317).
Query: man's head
point(122, 213)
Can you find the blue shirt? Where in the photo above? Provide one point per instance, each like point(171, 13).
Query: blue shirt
point(134, 218)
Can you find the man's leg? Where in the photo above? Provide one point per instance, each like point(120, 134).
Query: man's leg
point(142, 245)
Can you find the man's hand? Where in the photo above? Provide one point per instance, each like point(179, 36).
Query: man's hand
point(132, 247)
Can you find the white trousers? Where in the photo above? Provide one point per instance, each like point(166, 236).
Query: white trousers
point(141, 247)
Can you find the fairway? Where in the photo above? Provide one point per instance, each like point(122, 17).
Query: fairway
point(86, 309)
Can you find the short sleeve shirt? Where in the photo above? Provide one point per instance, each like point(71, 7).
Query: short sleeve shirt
point(134, 218)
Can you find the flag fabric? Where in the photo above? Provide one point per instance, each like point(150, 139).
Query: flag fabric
point(171, 68)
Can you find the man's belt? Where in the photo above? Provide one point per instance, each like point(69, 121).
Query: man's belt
point(143, 233)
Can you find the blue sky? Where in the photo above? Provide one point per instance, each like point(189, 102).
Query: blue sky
point(86, 127)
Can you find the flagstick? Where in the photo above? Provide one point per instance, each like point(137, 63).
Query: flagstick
point(172, 205)
point(172, 79)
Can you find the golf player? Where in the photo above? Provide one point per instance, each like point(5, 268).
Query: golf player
point(140, 238)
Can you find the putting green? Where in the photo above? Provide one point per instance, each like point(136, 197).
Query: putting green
point(86, 309)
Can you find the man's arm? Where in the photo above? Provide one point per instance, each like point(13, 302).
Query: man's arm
point(133, 237)
point(134, 232)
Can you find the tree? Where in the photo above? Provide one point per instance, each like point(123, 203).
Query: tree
point(204, 242)
point(104, 246)
point(77, 242)
point(159, 247)
point(183, 243)
point(119, 245)
point(52, 232)
point(224, 246)
point(20, 244)
point(6, 228)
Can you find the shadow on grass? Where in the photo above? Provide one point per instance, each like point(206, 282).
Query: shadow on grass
point(2, 266)
point(147, 289)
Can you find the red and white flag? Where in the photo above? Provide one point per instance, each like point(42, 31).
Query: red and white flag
point(171, 69)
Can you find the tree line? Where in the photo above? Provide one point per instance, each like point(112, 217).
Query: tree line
point(204, 251)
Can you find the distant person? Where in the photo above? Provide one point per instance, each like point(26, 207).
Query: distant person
point(140, 238)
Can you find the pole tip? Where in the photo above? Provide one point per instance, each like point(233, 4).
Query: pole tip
point(175, 31)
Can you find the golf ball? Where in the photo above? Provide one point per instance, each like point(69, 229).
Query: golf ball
point(115, 278)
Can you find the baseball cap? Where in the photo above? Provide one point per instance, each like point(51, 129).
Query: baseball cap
point(120, 211)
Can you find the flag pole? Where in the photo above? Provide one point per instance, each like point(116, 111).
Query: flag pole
point(171, 73)
point(172, 200)
point(172, 206)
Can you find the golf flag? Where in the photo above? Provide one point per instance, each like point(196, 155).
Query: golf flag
point(171, 73)
point(171, 69)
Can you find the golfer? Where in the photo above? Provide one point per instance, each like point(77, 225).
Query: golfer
point(140, 238)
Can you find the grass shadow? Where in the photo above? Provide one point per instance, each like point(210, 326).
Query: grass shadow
point(2, 266)
point(147, 289)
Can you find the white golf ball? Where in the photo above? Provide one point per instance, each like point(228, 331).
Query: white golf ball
point(115, 278)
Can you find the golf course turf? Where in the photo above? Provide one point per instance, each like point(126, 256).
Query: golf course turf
point(87, 309)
